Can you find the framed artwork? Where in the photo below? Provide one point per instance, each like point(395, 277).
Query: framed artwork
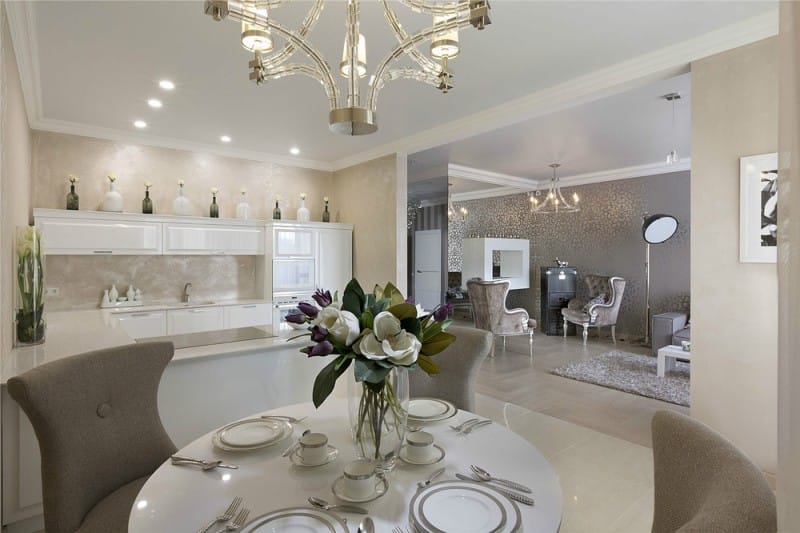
point(758, 209)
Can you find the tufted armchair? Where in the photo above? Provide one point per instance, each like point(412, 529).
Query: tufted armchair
point(489, 311)
point(605, 295)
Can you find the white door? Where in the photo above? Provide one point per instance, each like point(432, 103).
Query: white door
point(428, 268)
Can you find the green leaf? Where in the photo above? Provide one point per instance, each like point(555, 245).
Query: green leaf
point(326, 379)
point(392, 292)
point(403, 310)
point(367, 320)
point(377, 291)
point(437, 343)
point(370, 372)
point(427, 364)
point(411, 325)
point(370, 300)
point(353, 299)
point(380, 306)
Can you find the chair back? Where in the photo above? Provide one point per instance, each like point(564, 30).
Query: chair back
point(96, 419)
point(613, 287)
point(459, 364)
point(488, 299)
point(704, 483)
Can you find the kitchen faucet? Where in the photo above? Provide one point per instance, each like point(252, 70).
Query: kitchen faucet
point(186, 292)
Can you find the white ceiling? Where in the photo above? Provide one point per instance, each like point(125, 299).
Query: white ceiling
point(95, 64)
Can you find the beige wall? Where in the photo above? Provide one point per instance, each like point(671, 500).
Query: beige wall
point(368, 195)
point(734, 305)
point(789, 274)
point(15, 179)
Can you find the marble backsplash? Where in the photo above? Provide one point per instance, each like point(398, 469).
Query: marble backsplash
point(82, 279)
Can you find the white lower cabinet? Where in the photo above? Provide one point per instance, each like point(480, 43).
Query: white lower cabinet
point(180, 321)
point(247, 315)
point(144, 324)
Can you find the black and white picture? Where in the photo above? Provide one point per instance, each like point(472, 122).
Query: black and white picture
point(758, 209)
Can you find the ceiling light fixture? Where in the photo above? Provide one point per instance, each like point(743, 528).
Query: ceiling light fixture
point(166, 85)
point(155, 102)
point(294, 150)
point(348, 115)
point(225, 139)
point(554, 201)
point(141, 124)
point(672, 156)
point(451, 210)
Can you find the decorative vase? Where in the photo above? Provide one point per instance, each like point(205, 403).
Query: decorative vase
point(378, 414)
point(276, 213)
point(243, 208)
point(326, 216)
point(213, 209)
point(113, 294)
point(30, 323)
point(147, 204)
point(303, 214)
point(73, 200)
point(112, 201)
point(181, 205)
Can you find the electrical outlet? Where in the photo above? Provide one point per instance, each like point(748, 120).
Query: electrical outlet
point(52, 291)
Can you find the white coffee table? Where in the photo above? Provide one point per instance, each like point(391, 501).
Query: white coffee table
point(667, 356)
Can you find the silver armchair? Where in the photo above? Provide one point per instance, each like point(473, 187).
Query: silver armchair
point(488, 299)
point(605, 295)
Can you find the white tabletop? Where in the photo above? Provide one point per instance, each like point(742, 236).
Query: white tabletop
point(179, 498)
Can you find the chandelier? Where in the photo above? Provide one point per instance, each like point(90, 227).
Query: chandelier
point(554, 201)
point(451, 210)
point(349, 115)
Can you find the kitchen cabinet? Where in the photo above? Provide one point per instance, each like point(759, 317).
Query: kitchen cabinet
point(199, 239)
point(334, 258)
point(247, 315)
point(66, 236)
point(145, 324)
point(194, 320)
point(294, 242)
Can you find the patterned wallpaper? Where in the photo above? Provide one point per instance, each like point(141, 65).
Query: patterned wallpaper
point(604, 237)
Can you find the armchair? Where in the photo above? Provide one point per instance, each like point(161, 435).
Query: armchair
point(605, 295)
point(488, 299)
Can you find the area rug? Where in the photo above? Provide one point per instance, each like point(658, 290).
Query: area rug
point(634, 373)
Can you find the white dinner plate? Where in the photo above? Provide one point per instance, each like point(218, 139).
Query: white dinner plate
point(430, 410)
point(296, 520)
point(252, 434)
point(463, 507)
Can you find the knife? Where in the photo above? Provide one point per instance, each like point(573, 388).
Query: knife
point(507, 493)
point(177, 459)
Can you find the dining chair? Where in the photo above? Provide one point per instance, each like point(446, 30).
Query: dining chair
point(489, 311)
point(459, 364)
point(703, 483)
point(100, 435)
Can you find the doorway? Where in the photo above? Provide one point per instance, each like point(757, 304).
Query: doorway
point(428, 268)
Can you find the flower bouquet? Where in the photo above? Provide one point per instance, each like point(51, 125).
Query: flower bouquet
point(30, 282)
point(381, 335)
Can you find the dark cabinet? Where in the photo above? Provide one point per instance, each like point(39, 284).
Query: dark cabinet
point(558, 288)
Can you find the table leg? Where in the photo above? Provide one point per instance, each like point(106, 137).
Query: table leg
point(660, 369)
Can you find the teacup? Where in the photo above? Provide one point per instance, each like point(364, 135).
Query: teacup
point(359, 481)
point(314, 448)
point(419, 446)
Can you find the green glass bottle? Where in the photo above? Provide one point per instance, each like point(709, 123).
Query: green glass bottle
point(73, 200)
point(147, 204)
point(276, 213)
point(213, 211)
point(326, 215)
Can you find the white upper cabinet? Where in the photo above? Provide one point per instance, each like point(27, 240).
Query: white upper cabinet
point(335, 259)
point(199, 239)
point(66, 236)
point(294, 242)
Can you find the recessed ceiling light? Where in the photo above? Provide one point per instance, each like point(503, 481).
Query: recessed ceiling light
point(225, 139)
point(140, 124)
point(294, 150)
point(155, 102)
point(166, 85)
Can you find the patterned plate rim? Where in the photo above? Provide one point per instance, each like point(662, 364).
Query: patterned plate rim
point(299, 511)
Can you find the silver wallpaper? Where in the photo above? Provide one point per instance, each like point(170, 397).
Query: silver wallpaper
point(604, 237)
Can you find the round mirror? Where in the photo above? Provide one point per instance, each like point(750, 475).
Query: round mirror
point(658, 228)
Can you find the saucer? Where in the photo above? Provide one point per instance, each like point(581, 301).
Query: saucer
point(297, 459)
point(337, 491)
point(437, 456)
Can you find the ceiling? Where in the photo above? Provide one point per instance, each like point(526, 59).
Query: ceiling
point(95, 64)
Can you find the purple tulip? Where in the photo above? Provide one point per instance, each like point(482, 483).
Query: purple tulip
point(410, 300)
point(321, 349)
point(442, 312)
point(323, 299)
point(309, 310)
point(319, 334)
point(296, 318)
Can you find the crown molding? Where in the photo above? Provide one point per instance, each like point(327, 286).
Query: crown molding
point(23, 37)
point(488, 193)
point(486, 176)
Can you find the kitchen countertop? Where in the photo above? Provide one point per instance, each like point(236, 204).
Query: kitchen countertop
point(74, 332)
point(173, 306)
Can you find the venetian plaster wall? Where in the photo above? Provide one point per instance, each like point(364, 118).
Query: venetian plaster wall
point(15, 178)
point(734, 305)
point(604, 237)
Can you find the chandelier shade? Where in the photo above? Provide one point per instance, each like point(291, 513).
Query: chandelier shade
point(554, 201)
point(351, 111)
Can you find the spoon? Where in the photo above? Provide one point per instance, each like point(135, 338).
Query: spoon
point(323, 504)
point(366, 526)
point(290, 419)
point(205, 465)
point(434, 475)
point(483, 475)
point(464, 424)
point(291, 449)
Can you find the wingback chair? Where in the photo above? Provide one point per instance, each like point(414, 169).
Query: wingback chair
point(605, 295)
point(488, 299)
point(459, 364)
point(703, 483)
point(100, 435)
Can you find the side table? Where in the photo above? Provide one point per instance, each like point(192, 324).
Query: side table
point(667, 356)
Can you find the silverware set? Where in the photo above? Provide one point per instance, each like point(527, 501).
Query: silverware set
point(482, 476)
point(467, 427)
point(202, 463)
point(290, 419)
point(233, 519)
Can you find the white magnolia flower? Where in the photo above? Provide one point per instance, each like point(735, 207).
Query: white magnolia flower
point(112, 178)
point(342, 325)
point(73, 178)
point(389, 341)
point(243, 190)
point(402, 349)
point(420, 311)
point(148, 184)
point(181, 183)
point(386, 325)
point(325, 199)
point(302, 196)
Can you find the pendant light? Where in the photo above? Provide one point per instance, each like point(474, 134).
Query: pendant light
point(672, 156)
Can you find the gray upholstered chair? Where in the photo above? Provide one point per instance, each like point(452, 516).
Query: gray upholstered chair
point(704, 484)
point(459, 364)
point(96, 419)
point(488, 299)
point(605, 295)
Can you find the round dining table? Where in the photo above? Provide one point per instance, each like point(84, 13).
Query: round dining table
point(184, 498)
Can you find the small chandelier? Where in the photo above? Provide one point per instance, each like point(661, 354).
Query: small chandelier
point(348, 115)
point(554, 201)
point(672, 156)
point(451, 210)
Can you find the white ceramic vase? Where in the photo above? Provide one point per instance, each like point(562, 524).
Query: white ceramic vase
point(243, 208)
point(112, 200)
point(303, 214)
point(181, 205)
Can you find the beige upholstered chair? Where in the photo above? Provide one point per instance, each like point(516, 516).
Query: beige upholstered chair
point(600, 313)
point(459, 364)
point(488, 299)
point(704, 484)
point(99, 431)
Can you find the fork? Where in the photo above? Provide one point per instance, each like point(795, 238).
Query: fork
point(290, 419)
point(475, 426)
point(238, 522)
point(224, 517)
point(464, 424)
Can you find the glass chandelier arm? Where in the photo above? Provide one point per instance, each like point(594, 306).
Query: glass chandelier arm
point(276, 59)
point(407, 73)
point(422, 60)
point(435, 8)
point(353, 33)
